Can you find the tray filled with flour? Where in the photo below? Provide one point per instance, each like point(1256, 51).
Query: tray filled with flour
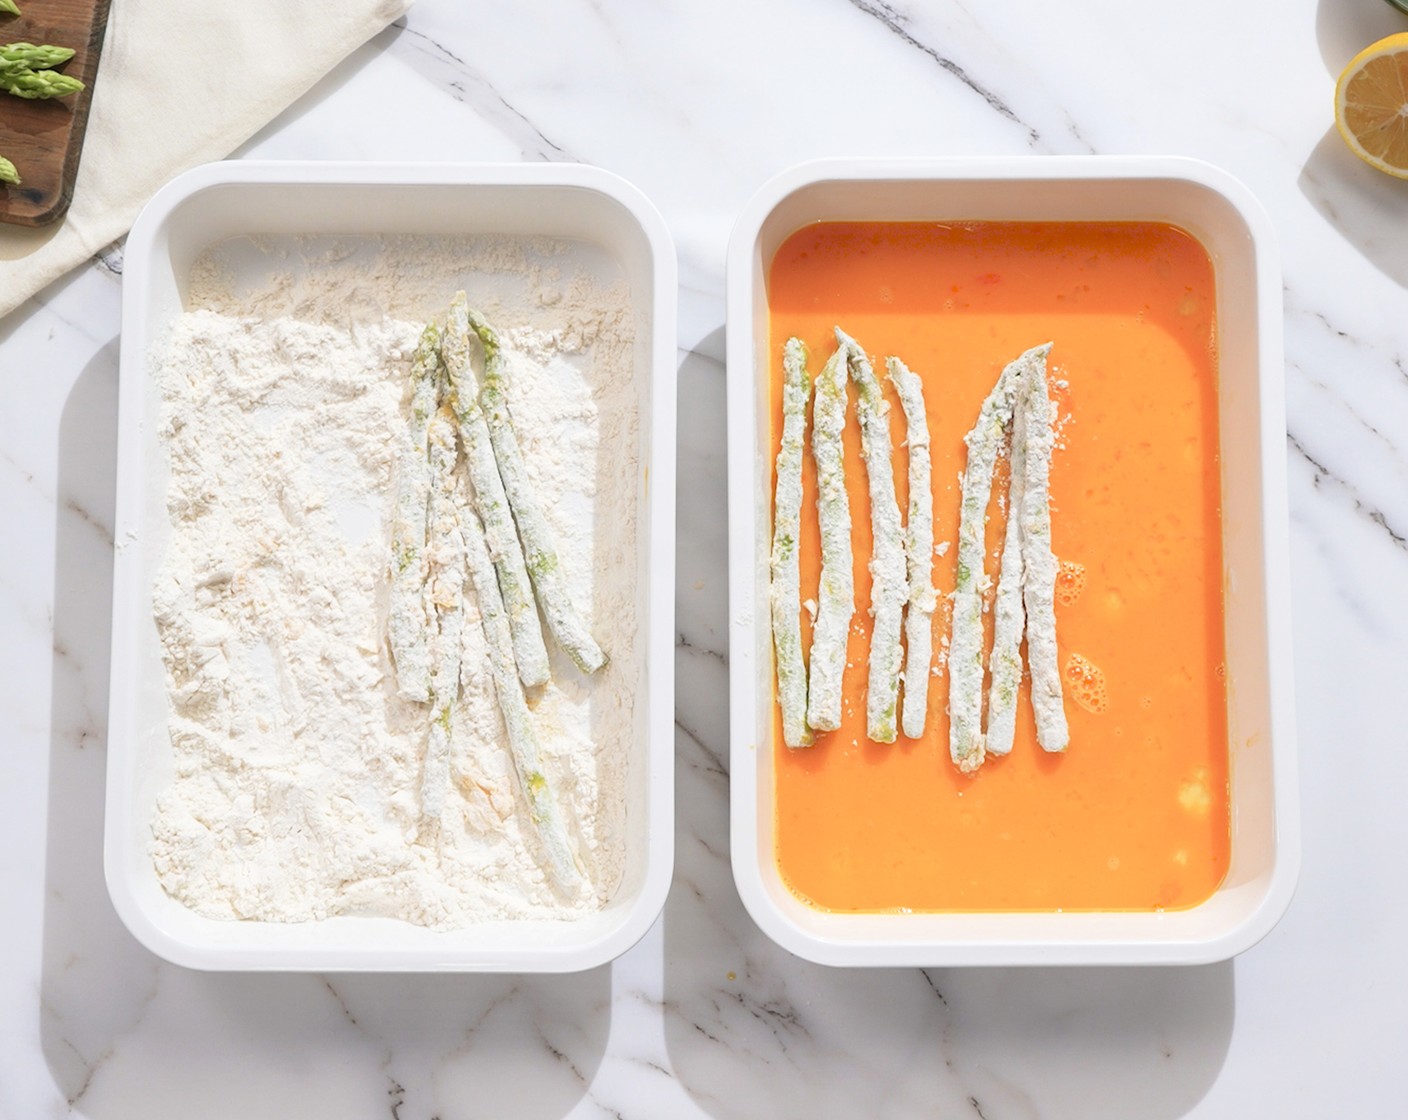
point(394, 562)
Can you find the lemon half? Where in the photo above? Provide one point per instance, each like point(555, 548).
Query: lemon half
point(1371, 105)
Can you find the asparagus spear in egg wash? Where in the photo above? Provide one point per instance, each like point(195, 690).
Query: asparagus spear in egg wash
point(522, 739)
point(836, 593)
point(1005, 661)
point(445, 593)
point(889, 587)
point(785, 593)
point(564, 620)
point(965, 655)
point(1040, 581)
point(529, 651)
point(408, 620)
point(919, 550)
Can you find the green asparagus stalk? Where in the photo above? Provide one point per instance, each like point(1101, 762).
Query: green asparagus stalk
point(1040, 581)
point(445, 590)
point(491, 501)
point(965, 654)
point(918, 549)
point(38, 85)
point(408, 619)
point(9, 7)
point(564, 619)
point(522, 739)
point(32, 57)
point(8, 172)
point(786, 587)
point(836, 593)
point(889, 584)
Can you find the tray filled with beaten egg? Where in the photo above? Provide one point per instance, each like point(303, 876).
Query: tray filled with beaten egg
point(1010, 672)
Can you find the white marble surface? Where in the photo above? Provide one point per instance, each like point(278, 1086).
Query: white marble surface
point(697, 105)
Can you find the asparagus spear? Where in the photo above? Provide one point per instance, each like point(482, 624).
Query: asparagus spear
point(523, 741)
point(8, 172)
point(889, 587)
point(1040, 583)
point(919, 550)
point(836, 594)
point(564, 620)
point(786, 591)
point(9, 7)
point(36, 85)
point(407, 626)
point(34, 57)
point(1005, 662)
point(446, 595)
point(965, 656)
point(529, 651)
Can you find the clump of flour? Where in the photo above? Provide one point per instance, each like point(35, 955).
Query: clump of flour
point(296, 767)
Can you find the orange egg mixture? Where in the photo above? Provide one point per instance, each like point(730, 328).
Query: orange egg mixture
point(1134, 816)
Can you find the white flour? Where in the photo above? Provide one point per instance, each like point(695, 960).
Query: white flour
point(296, 767)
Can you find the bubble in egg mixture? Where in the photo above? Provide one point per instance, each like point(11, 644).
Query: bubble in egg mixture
point(1070, 582)
point(1086, 684)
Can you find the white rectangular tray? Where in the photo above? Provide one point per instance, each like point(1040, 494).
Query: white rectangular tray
point(1265, 853)
point(220, 201)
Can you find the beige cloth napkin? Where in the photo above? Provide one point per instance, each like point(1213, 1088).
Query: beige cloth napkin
point(180, 84)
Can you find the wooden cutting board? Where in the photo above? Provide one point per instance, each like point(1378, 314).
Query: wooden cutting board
point(43, 139)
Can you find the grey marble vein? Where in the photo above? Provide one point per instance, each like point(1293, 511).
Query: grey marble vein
point(110, 261)
point(716, 765)
point(685, 645)
point(899, 23)
point(467, 84)
point(1323, 476)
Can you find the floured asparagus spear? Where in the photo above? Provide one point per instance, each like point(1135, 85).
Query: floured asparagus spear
point(408, 622)
point(785, 593)
point(565, 621)
point(1005, 662)
point(889, 587)
point(530, 653)
point(522, 739)
point(965, 656)
point(1040, 581)
point(836, 593)
point(445, 592)
point(919, 550)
